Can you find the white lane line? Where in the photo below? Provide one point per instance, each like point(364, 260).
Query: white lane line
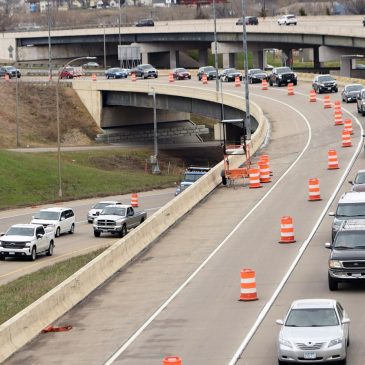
point(303, 247)
point(135, 335)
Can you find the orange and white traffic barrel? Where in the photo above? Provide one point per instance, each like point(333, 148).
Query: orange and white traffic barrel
point(6, 77)
point(265, 158)
point(254, 178)
point(348, 125)
point(327, 102)
point(93, 77)
point(312, 96)
point(291, 89)
point(332, 160)
point(314, 192)
point(338, 117)
point(248, 285)
point(237, 81)
point(287, 230)
point(264, 172)
point(264, 85)
point(337, 105)
point(172, 360)
point(133, 77)
point(204, 79)
point(171, 77)
point(346, 138)
point(134, 200)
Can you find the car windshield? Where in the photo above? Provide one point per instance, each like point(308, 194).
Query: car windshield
point(354, 87)
point(192, 176)
point(350, 240)
point(230, 70)
point(47, 215)
point(283, 70)
point(116, 69)
point(10, 68)
point(312, 317)
point(101, 205)
point(290, 17)
point(351, 210)
point(114, 211)
point(256, 71)
point(209, 68)
point(325, 78)
point(180, 70)
point(20, 231)
point(145, 66)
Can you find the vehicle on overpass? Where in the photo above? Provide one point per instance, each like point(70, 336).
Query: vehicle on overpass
point(145, 23)
point(116, 73)
point(255, 75)
point(209, 71)
point(360, 100)
point(145, 71)
point(249, 20)
point(181, 73)
point(98, 208)
point(323, 83)
point(288, 19)
point(191, 174)
point(230, 74)
point(314, 331)
point(117, 219)
point(27, 240)
point(350, 92)
point(347, 258)
point(282, 76)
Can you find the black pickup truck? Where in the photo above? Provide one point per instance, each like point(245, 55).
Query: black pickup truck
point(282, 76)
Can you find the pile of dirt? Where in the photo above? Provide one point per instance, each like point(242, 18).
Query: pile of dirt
point(37, 116)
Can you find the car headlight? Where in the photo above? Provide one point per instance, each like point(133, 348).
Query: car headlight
point(279, 76)
point(27, 244)
point(320, 84)
point(335, 342)
point(285, 342)
point(295, 75)
point(334, 264)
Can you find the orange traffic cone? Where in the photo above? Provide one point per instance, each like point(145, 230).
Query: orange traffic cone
point(312, 96)
point(6, 77)
point(348, 126)
point(248, 285)
point(237, 82)
point(314, 192)
point(204, 79)
point(265, 158)
point(287, 230)
point(346, 138)
point(134, 200)
point(327, 101)
point(93, 77)
point(264, 172)
point(332, 160)
point(172, 360)
point(290, 89)
point(264, 85)
point(254, 178)
point(338, 117)
point(133, 77)
point(337, 105)
point(171, 77)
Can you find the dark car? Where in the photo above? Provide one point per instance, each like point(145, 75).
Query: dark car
point(145, 71)
point(359, 182)
point(210, 71)
point(181, 73)
point(230, 74)
point(256, 75)
point(350, 92)
point(282, 76)
point(250, 20)
point(68, 73)
point(10, 71)
point(322, 83)
point(116, 73)
point(145, 23)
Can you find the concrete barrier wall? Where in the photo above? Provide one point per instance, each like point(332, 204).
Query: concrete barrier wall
point(27, 324)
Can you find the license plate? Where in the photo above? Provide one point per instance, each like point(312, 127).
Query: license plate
point(310, 355)
point(11, 253)
point(356, 275)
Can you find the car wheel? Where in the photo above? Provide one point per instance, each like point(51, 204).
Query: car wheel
point(270, 83)
point(72, 229)
point(2, 258)
point(50, 249)
point(358, 109)
point(332, 283)
point(250, 80)
point(33, 254)
point(295, 83)
point(96, 233)
point(348, 340)
point(336, 90)
point(199, 78)
point(363, 113)
point(123, 232)
point(280, 362)
point(278, 83)
point(114, 77)
point(58, 231)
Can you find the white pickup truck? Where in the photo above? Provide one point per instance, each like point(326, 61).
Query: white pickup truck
point(27, 240)
point(117, 219)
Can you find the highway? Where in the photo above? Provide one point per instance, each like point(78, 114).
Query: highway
point(181, 296)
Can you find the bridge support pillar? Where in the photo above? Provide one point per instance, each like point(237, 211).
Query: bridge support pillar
point(259, 59)
point(174, 58)
point(316, 63)
point(287, 57)
point(203, 57)
point(144, 57)
point(229, 60)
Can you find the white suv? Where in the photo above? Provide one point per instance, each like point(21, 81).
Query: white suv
point(98, 208)
point(62, 219)
point(287, 20)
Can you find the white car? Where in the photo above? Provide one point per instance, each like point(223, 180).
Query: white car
point(98, 208)
point(62, 219)
point(314, 330)
point(289, 19)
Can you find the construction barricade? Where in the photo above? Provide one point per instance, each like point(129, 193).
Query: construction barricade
point(291, 89)
point(346, 138)
point(248, 285)
point(286, 230)
point(332, 160)
point(254, 177)
point(314, 192)
point(264, 85)
point(312, 96)
point(348, 126)
point(327, 102)
point(237, 81)
point(172, 360)
point(134, 200)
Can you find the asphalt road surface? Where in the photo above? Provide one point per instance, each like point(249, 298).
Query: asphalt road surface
point(181, 297)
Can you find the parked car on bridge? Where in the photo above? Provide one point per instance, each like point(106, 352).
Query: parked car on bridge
point(210, 71)
point(282, 76)
point(288, 19)
point(116, 73)
point(314, 330)
point(256, 75)
point(350, 92)
point(91, 65)
point(249, 20)
point(181, 73)
point(69, 72)
point(145, 71)
point(358, 184)
point(230, 74)
point(11, 71)
point(145, 23)
point(322, 83)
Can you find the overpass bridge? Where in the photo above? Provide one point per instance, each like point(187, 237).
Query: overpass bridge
point(168, 43)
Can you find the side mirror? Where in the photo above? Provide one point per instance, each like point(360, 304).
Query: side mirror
point(279, 321)
point(345, 320)
point(39, 235)
point(327, 245)
point(351, 182)
point(2, 234)
point(62, 218)
point(331, 214)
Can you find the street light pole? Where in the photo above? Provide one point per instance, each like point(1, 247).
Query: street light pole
point(49, 43)
point(215, 48)
point(60, 194)
point(155, 168)
point(16, 109)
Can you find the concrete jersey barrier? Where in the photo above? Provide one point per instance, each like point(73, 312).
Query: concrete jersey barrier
point(28, 323)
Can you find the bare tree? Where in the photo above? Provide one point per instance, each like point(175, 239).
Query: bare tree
point(355, 6)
